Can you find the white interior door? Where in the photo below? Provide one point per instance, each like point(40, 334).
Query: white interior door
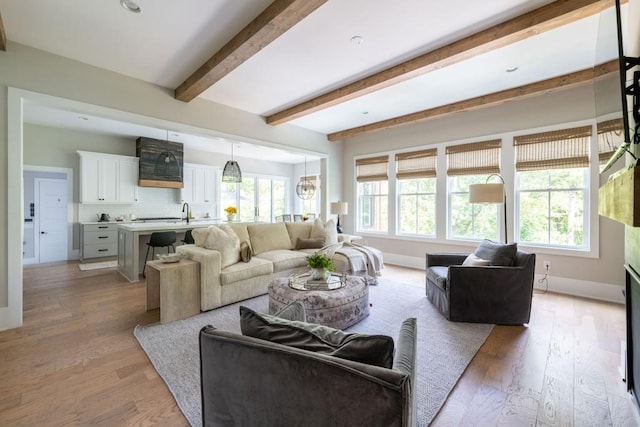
point(51, 211)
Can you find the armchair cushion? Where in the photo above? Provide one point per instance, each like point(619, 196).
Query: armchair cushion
point(438, 275)
point(497, 253)
point(374, 350)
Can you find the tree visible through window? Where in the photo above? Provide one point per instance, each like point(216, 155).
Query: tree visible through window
point(552, 187)
point(416, 188)
point(373, 190)
point(471, 164)
point(256, 198)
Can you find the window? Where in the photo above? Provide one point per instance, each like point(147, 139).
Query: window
point(256, 198)
point(471, 164)
point(416, 184)
point(552, 180)
point(372, 176)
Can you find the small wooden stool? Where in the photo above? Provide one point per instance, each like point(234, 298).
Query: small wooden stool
point(175, 288)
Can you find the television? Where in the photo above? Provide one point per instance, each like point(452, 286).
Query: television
point(625, 66)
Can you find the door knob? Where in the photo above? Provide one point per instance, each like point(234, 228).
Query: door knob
point(43, 232)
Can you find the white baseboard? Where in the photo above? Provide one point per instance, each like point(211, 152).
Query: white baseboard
point(562, 285)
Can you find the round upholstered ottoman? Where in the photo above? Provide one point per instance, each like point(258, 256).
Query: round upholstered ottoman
point(339, 308)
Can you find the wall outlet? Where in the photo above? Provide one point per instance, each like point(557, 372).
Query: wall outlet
point(547, 265)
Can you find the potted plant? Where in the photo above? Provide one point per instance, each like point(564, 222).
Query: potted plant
point(321, 266)
point(231, 212)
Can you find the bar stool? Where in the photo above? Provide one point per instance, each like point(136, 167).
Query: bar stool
point(159, 239)
point(188, 238)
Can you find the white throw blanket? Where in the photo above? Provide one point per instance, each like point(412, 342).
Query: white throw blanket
point(373, 263)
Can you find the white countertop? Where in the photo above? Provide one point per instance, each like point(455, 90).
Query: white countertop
point(168, 225)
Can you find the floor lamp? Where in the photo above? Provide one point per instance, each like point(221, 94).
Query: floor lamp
point(490, 193)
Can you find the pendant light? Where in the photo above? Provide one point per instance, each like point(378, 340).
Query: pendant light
point(305, 189)
point(231, 171)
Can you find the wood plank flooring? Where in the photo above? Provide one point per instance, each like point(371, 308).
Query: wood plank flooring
point(75, 360)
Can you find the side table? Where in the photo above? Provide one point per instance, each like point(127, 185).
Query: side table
point(175, 288)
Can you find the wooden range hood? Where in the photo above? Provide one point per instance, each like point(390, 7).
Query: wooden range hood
point(161, 163)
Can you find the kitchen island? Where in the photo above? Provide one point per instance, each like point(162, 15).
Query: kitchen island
point(133, 238)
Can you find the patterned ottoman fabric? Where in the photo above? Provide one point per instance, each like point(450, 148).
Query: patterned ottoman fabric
point(338, 308)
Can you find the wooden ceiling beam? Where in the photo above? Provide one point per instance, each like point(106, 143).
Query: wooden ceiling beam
point(3, 36)
point(275, 20)
point(543, 19)
point(533, 89)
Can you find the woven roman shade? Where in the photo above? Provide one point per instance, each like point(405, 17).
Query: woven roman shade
point(610, 137)
point(417, 164)
point(372, 169)
point(560, 149)
point(477, 158)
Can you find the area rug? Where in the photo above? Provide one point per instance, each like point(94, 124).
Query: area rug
point(98, 265)
point(444, 348)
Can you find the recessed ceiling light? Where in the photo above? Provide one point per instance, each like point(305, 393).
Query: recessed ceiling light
point(365, 112)
point(83, 118)
point(512, 69)
point(357, 39)
point(131, 6)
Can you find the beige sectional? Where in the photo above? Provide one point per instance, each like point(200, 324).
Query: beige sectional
point(226, 278)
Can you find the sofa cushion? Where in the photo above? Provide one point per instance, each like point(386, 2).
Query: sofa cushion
point(200, 236)
point(268, 237)
point(497, 253)
point(309, 243)
point(370, 349)
point(240, 228)
point(285, 259)
point(438, 275)
point(224, 240)
point(473, 261)
point(245, 252)
point(245, 270)
point(327, 230)
point(298, 230)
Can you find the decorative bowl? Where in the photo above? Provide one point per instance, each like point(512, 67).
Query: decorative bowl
point(170, 257)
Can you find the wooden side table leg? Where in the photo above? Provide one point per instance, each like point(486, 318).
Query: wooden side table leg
point(153, 288)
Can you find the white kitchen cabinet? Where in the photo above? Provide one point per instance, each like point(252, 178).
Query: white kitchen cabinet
point(199, 183)
point(107, 178)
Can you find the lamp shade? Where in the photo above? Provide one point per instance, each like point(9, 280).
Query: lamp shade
point(231, 172)
point(486, 193)
point(340, 208)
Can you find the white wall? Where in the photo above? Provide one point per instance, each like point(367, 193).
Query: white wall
point(599, 277)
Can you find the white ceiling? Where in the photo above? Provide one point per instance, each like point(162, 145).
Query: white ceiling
point(170, 39)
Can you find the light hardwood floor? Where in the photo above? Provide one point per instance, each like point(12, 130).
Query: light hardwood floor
point(75, 360)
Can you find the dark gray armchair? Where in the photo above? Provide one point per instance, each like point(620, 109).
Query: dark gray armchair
point(252, 382)
point(484, 294)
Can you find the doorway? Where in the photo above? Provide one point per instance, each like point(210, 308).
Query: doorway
point(47, 230)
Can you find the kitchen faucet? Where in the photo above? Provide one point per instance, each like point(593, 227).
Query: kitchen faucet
point(185, 204)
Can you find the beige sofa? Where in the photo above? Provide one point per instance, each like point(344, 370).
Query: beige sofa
point(277, 249)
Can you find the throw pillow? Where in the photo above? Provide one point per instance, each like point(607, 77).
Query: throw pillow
point(200, 235)
point(309, 243)
point(327, 231)
point(497, 253)
point(473, 261)
point(222, 239)
point(370, 349)
point(245, 252)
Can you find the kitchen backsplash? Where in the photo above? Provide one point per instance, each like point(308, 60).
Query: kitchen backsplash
point(152, 202)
